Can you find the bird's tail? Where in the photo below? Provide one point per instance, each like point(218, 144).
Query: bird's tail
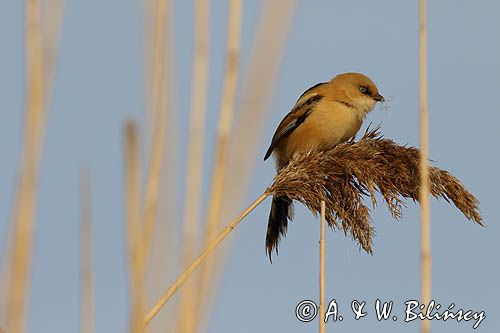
point(281, 211)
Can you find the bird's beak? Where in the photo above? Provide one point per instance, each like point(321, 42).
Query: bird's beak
point(379, 98)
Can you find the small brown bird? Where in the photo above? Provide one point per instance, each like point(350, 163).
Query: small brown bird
point(324, 115)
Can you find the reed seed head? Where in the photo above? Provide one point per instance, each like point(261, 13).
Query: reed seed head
point(346, 174)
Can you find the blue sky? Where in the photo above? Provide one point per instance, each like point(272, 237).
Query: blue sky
point(99, 83)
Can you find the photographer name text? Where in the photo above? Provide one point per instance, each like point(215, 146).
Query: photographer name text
point(307, 311)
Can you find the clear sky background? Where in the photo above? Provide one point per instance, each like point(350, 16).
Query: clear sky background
point(99, 83)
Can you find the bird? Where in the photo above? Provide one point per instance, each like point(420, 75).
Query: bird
point(325, 115)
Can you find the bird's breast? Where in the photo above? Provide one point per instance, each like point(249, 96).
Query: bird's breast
point(328, 124)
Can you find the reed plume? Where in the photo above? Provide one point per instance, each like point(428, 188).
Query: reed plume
point(344, 175)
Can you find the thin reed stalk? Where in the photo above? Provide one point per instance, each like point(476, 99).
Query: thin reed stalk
point(257, 85)
point(135, 236)
point(192, 199)
point(322, 251)
point(52, 19)
point(426, 256)
point(257, 88)
point(157, 70)
point(5, 266)
point(197, 262)
point(41, 54)
point(24, 216)
point(86, 272)
point(5, 273)
point(219, 170)
point(160, 138)
point(158, 112)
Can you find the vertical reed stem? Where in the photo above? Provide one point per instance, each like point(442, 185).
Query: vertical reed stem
point(158, 116)
point(52, 12)
point(256, 91)
point(426, 264)
point(219, 172)
point(24, 216)
point(192, 267)
point(86, 276)
point(322, 325)
point(135, 235)
point(192, 200)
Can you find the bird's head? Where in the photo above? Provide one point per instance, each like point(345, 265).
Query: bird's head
point(358, 90)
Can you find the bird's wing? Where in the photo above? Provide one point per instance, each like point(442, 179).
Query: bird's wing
point(294, 118)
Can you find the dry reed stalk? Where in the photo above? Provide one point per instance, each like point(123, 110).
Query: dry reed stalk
point(257, 89)
point(149, 8)
point(41, 52)
point(219, 169)
point(197, 262)
point(4, 279)
point(160, 268)
point(258, 81)
point(5, 274)
point(161, 178)
point(22, 241)
point(52, 16)
point(194, 173)
point(322, 251)
point(135, 235)
point(158, 111)
point(425, 223)
point(86, 273)
point(157, 70)
point(345, 174)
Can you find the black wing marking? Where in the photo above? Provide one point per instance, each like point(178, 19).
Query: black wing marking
point(310, 89)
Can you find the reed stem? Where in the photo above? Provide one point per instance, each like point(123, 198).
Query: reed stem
point(426, 257)
point(222, 149)
point(197, 262)
point(24, 215)
point(134, 230)
point(86, 273)
point(196, 138)
point(158, 116)
point(322, 249)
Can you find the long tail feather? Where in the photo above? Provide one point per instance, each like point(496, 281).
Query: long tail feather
point(281, 212)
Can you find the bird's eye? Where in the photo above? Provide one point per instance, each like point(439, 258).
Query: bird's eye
point(363, 89)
